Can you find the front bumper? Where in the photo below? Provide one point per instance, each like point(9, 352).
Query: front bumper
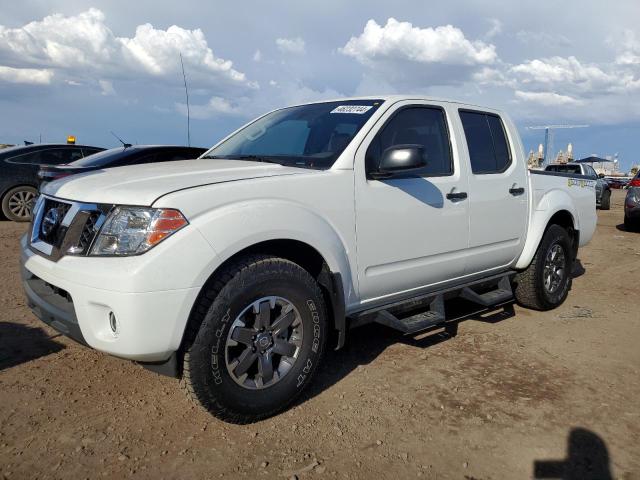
point(78, 296)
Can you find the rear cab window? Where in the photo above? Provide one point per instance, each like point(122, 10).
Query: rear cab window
point(486, 141)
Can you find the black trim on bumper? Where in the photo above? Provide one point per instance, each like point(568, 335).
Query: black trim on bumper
point(51, 306)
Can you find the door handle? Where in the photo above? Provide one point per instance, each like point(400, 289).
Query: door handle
point(516, 191)
point(456, 196)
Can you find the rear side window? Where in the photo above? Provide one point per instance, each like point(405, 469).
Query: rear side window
point(50, 156)
point(425, 126)
point(486, 141)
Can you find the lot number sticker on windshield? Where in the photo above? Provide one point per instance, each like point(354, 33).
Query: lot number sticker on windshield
point(357, 109)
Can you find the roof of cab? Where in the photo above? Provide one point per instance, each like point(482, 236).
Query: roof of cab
point(399, 98)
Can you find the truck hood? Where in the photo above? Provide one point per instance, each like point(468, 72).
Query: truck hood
point(144, 184)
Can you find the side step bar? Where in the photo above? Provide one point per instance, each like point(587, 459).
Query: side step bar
point(433, 314)
point(415, 323)
point(493, 297)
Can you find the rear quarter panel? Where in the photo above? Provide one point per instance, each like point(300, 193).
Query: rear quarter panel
point(550, 194)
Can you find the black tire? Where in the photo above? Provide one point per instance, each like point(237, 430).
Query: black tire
point(13, 206)
point(209, 379)
point(605, 201)
point(530, 287)
point(631, 225)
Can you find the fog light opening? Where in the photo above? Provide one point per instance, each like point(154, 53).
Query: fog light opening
point(113, 323)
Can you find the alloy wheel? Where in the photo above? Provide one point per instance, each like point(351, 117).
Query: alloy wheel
point(21, 203)
point(554, 268)
point(264, 342)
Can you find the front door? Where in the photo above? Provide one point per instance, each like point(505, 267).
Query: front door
point(409, 234)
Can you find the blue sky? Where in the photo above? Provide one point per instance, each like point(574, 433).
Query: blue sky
point(85, 68)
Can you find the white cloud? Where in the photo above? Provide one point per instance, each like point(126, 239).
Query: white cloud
point(627, 44)
point(493, 76)
point(402, 41)
point(29, 76)
point(495, 29)
point(571, 75)
point(286, 93)
point(543, 39)
point(215, 106)
point(107, 87)
point(257, 56)
point(84, 46)
point(548, 99)
point(291, 45)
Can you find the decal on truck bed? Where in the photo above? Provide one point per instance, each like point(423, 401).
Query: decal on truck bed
point(579, 182)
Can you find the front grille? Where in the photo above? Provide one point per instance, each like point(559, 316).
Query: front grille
point(88, 232)
point(53, 235)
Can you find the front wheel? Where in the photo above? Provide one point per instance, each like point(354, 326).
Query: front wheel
point(546, 282)
point(18, 203)
point(261, 336)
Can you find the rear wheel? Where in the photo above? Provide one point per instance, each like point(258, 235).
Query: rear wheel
point(631, 225)
point(605, 201)
point(18, 202)
point(546, 282)
point(261, 336)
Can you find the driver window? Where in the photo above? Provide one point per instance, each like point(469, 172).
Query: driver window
point(424, 126)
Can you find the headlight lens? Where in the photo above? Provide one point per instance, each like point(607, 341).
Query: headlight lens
point(133, 230)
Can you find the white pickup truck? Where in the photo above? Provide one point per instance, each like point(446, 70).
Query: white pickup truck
point(233, 271)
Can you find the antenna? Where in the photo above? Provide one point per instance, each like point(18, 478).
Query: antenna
point(186, 92)
point(125, 145)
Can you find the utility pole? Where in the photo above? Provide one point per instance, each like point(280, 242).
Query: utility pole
point(548, 137)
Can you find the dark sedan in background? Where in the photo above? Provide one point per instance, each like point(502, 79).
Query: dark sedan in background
point(19, 168)
point(119, 157)
point(632, 205)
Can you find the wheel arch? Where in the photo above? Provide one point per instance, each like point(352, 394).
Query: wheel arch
point(300, 253)
point(562, 217)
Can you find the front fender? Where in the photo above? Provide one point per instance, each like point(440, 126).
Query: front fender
point(547, 204)
point(234, 227)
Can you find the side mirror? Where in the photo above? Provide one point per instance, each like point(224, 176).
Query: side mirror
point(601, 175)
point(398, 160)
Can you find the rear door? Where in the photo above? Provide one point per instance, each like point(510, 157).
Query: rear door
point(498, 205)
point(409, 234)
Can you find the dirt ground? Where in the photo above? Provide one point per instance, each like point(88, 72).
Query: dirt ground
point(516, 394)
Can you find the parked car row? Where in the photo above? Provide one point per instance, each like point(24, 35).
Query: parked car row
point(19, 173)
point(24, 169)
point(616, 183)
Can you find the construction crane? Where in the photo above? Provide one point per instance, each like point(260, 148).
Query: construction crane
point(548, 136)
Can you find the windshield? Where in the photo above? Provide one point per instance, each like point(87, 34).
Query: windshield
point(310, 136)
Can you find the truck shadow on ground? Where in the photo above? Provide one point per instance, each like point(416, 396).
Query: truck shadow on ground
point(21, 343)
point(587, 459)
point(367, 342)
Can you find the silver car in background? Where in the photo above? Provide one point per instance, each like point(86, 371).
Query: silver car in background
point(632, 205)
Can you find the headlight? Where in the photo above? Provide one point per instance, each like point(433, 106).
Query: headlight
point(133, 230)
